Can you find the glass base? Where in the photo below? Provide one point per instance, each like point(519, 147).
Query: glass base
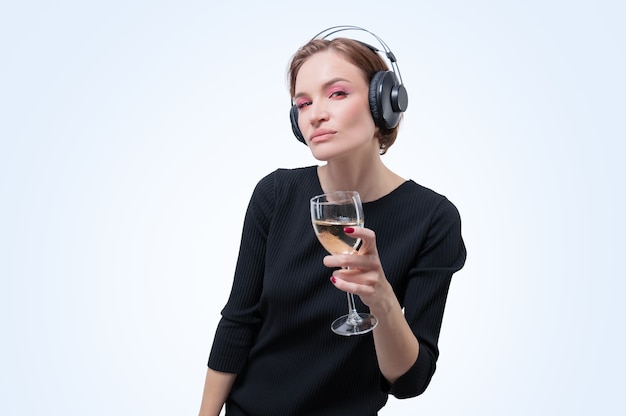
point(341, 325)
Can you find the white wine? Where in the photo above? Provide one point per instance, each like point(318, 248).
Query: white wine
point(334, 239)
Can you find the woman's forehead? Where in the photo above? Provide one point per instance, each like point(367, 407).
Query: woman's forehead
point(324, 66)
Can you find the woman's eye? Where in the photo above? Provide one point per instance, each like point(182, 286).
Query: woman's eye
point(300, 105)
point(338, 94)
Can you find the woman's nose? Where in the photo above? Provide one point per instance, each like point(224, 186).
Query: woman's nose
point(318, 113)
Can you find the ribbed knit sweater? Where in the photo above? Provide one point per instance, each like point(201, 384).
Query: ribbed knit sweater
point(275, 328)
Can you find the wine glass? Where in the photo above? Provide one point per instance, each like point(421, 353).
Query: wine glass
point(330, 214)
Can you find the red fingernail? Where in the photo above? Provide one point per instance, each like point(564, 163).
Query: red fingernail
point(332, 279)
point(348, 230)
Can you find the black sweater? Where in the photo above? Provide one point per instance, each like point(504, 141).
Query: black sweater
point(275, 329)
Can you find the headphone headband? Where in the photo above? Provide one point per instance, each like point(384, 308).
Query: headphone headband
point(326, 33)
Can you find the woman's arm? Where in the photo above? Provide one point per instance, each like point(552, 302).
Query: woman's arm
point(216, 388)
point(397, 347)
point(237, 329)
point(396, 338)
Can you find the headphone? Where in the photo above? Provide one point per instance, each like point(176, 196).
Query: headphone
point(388, 98)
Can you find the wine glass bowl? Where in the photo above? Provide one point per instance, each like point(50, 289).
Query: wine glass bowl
point(331, 213)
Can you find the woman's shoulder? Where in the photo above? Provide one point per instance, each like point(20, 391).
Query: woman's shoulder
point(291, 176)
point(288, 181)
point(410, 190)
point(411, 196)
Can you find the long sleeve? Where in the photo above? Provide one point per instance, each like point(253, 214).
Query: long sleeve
point(240, 321)
point(442, 253)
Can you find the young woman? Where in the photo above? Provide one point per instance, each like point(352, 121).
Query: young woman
point(273, 352)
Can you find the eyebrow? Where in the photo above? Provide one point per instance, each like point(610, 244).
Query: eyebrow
point(324, 85)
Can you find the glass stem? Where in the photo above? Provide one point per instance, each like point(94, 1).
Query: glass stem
point(353, 316)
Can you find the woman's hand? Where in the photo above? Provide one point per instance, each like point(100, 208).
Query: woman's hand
point(396, 346)
point(362, 274)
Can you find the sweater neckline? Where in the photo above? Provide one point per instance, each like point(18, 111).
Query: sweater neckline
point(395, 191)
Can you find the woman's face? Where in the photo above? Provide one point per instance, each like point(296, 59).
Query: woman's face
point(334, 115)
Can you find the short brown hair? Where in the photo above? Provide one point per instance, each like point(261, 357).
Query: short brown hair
point(356, 53)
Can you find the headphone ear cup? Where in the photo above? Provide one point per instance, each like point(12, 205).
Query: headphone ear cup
point(375, 98)
point(293, 116)
point(387, 98)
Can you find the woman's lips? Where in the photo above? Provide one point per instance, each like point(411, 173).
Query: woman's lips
point(322, 134)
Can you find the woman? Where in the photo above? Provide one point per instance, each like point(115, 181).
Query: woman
point(274, 353)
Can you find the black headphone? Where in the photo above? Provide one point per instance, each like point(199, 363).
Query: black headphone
point(388, 98)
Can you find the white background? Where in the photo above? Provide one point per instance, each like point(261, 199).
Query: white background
point(133, 132)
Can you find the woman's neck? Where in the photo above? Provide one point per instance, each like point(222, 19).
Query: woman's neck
point(372, 179)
